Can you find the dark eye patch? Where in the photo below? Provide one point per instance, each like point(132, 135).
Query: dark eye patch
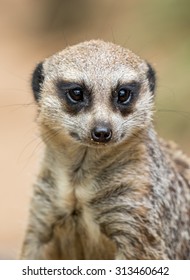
point(124, 97)
point(75, 96)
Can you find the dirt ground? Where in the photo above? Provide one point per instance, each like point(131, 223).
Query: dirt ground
point(20, 146)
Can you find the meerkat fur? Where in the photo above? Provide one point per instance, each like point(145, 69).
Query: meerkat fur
point(108, 186)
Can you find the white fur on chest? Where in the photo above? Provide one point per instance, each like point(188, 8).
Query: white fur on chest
point(72, 193)
point(73, 198)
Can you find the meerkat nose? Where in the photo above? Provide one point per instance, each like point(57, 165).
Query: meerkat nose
point(101, 134)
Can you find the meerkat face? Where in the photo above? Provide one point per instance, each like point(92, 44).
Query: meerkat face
point(94, 93)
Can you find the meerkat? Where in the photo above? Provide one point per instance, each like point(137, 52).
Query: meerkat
point(108, 187)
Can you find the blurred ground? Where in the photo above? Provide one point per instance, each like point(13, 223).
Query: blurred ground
point(31, 30)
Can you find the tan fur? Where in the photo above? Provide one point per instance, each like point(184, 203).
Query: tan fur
point(125, 199)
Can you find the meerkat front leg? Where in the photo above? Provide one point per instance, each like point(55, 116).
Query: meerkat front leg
point(126, 223)
point(133, 238)
point(39, 234)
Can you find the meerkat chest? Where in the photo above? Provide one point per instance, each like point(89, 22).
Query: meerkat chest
point(78, 223)
point(73, 196)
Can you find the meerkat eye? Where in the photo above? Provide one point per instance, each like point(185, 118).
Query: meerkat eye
point(124, 95)
point(75, 95)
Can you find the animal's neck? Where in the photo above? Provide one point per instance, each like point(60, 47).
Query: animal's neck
point(77, 158)
point(80, 161)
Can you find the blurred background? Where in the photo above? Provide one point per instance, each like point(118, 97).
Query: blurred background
point(31, 30)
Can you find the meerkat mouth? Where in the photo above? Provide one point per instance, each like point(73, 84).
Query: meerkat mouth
point(92, 140)
point(96, 143)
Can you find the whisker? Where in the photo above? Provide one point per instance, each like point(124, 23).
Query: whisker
point(181, 113)
point(48, 136)
point(18, 105)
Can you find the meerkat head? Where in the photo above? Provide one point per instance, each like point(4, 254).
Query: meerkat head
point(94, 93)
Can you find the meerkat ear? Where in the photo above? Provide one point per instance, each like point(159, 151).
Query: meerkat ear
point(151, 76)
point(37, 81)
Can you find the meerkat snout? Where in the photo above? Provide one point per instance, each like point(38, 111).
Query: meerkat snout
point(101, 133)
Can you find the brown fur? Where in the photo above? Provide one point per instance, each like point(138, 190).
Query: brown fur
point(128, 199)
